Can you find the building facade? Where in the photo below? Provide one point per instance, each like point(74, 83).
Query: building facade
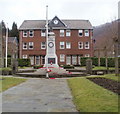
point(73, 40)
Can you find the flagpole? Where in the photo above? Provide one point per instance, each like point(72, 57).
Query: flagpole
point(47, 75)
point(6, 46)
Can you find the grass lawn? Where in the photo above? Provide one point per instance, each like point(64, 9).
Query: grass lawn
point(8, 82)
point(89, 97)
point(108, 76)
point(103, 68)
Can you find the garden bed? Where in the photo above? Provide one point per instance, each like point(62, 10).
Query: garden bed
point(107, 84)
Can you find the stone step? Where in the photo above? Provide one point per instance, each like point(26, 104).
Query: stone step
point(75, 74)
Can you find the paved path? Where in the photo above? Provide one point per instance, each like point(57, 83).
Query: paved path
point(39, 95)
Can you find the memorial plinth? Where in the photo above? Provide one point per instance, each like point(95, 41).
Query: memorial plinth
point(51, 59)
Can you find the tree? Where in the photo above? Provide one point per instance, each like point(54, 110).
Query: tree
point(14, 32)
point(3, 28)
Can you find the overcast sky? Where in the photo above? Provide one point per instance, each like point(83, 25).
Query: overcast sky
point(96, 11)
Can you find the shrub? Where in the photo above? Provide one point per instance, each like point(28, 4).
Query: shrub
point(111, 61)
point(68, 66)
point(37, 66)
point(6, 71)
point(23, 62)
point(8, 62)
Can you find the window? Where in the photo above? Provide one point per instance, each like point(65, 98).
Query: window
point(30, 45)
point(43, 32)
point(87, 55)
point(68, 60)
point(31, 33)
point(24, 33)
point(87, 45)
point(62, 57)
point(24, 56)
point(86, 32)
point(68, 45)
point(43, 45)
point(24, 45)
point(80, 33)
point(42, 60)
point(61, 33)
point(74, 59)
point(37, 60)
point(68, 33)
point(62, 46)
point(31, 60)
point(80, 45)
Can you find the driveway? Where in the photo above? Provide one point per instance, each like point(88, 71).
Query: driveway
point(39, 95)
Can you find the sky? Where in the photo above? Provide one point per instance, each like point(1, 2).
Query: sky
point(96, 11)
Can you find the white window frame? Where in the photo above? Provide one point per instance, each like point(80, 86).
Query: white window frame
point(25, 33)
point(80, 45)
point(68, 60)
point(87, 45)
point(31, 44)
point(62, 33)
point(68, 33)
point(31, 60)
point(87, 55)
point(43, 46)
point(62, 45)
point(62, 58)
point(31, 33)
point(68, 45)
point(74, 59)
point(43, 34)
point(80, 32)
point(24, 45)
point(37, 59)
point(86, 33)
point(24, 56)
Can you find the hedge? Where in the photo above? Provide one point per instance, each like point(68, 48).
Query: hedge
point(111, 61)
point(21, 62)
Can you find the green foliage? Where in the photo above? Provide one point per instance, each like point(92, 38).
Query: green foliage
point(83, 61)
point(8, 61)
point(23, 62)
point(67, 66)
point(37, 66)
point(111, 61)
point(89, 97)
point(14, 32)
point(8, 82)
point(102, 61)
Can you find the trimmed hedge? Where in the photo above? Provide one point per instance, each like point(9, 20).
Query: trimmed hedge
point(111, 61)
point(67, 66)
point(23, 62)
point(37, 67)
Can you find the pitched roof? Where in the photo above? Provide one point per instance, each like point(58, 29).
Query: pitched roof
point(71, 24)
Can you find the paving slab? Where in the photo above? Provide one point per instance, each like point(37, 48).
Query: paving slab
point(39, 95)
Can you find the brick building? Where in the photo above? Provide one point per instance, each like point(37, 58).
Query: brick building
point(73, 40)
